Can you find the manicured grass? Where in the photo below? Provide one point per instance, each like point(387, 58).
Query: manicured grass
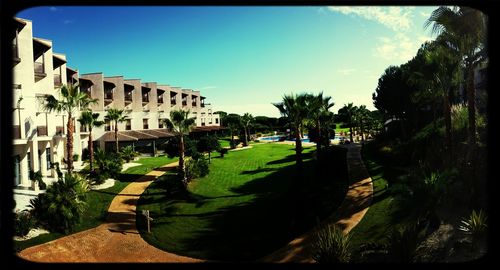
point(225, 142)
point(338, 129)
point(99, 200)
point(385, 213)
point(243, 209)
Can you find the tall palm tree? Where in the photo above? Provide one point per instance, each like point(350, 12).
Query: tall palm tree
point(361, 114)
point(318, 107)
point(70, 101)
point(182, 124)
point(349, 111)
point(90, 120)
point(246, 121)
point(294, 108)
point(465, 31)
point(116, 116)
point(233, 123)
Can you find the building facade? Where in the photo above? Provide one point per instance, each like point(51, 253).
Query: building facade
point(39, 137)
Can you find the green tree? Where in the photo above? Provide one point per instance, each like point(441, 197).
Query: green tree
point(294, 109)
point(70, 101)
point(182, 124)
point(465, 31)
point(116, 116)
point(318, 107)
point(90, 120)
point(348, 112)
point(208, 144)
point(233, 123)
point(247, 121)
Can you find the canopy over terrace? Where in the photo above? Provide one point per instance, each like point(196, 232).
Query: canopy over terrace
point(143, 141)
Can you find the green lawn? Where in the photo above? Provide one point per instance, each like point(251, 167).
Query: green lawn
point(384, 213)
point(338, 129)
point(99, 201)
point(224, 142)
point(243, 209)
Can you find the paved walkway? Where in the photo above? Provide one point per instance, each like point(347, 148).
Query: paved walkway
point(118, 240)
point(349, 214)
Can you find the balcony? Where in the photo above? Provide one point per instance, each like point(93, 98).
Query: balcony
point(145, 126)
point(193, 103)
point(128, 126)
point(15, 54)
point(128, 97)
point(17, 132)
point(145, 99)
point(173, 102)
point(108, 97)
point(83, 129)
point(160, 100)
point(202, 105)
point(59, 130)
point(41, 130)
point(57, 80)
point(184, 103)
point(39, 71)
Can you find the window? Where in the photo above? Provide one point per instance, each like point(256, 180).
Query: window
point(216, 120)
point(47, 155)
point(128, 124)
point(145, 123)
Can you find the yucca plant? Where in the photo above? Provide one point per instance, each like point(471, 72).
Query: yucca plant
point(332, 246)
point(475, 224)
point(403, 242)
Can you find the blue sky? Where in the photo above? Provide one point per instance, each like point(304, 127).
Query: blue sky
point(241, 58)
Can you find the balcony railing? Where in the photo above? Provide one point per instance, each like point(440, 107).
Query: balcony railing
point(108, 95)
point(41, 130)
point(173, 102)
point(128, 97)
point(39, 68)
point(83, 129)
point(57, 80)
point(17, 132)
point(160, 100)
point(145, 98)
point(59, 130)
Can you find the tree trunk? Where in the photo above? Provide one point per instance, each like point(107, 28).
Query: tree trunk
point(116, 136)
point(471, 104)
point(246, 136)
point(91, 149)
point(318, 143)
point(298, 148)
point(232, 140)
point(69, 143)
point(182, 166)
point(209, 158)
point(447, 122)
point(350, 130)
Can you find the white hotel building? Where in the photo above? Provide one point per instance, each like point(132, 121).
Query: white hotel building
point(39, 137)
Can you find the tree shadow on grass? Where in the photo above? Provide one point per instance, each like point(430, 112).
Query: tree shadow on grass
point(283, 207)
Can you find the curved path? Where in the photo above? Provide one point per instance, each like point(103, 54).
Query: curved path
point(117, 240)
point(351, 211)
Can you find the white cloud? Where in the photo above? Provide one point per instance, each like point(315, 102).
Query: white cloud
point(395, 18)
point(399, 47)
point(346, 71)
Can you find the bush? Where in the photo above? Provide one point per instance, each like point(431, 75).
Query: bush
point(23, 223)
point(85, 154)
point(109, 165)
point(196, 168)
point(128, 154)
point(75, 157)
point(403, 242)
point(234, 143)
point(332, 246)
point(61, 207)
point(42, 185)
point(55, 165)
point(475, 225)
point(222, 151)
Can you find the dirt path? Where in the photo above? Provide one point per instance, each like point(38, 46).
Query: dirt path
point(117, 240)
point(349, 214)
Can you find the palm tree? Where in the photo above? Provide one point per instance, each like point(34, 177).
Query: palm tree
point(349, 111)
point(294, 108)
point(117, 116)
point(182, 124)
point(90, 120)
point(246, 121)
point(465, 30)
point(361, 113)
point(71, 100)
point(318, 107)
point(233, 123)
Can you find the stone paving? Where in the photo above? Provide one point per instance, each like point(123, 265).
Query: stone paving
point(117, 240)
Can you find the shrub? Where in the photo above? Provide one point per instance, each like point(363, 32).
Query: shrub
point(403, 242)
point(222, 151)
point(62, 205)
point(234, 143)
point(196, 168)
point(23, 223)
point(109, 165)
point(475, 224)
point(42, 185)
point(332, 246)
point(85, 154)
point(55, 165)
point(128, 154)
point(75, 157)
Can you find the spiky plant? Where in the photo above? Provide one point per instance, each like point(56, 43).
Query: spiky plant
point(332, 246)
